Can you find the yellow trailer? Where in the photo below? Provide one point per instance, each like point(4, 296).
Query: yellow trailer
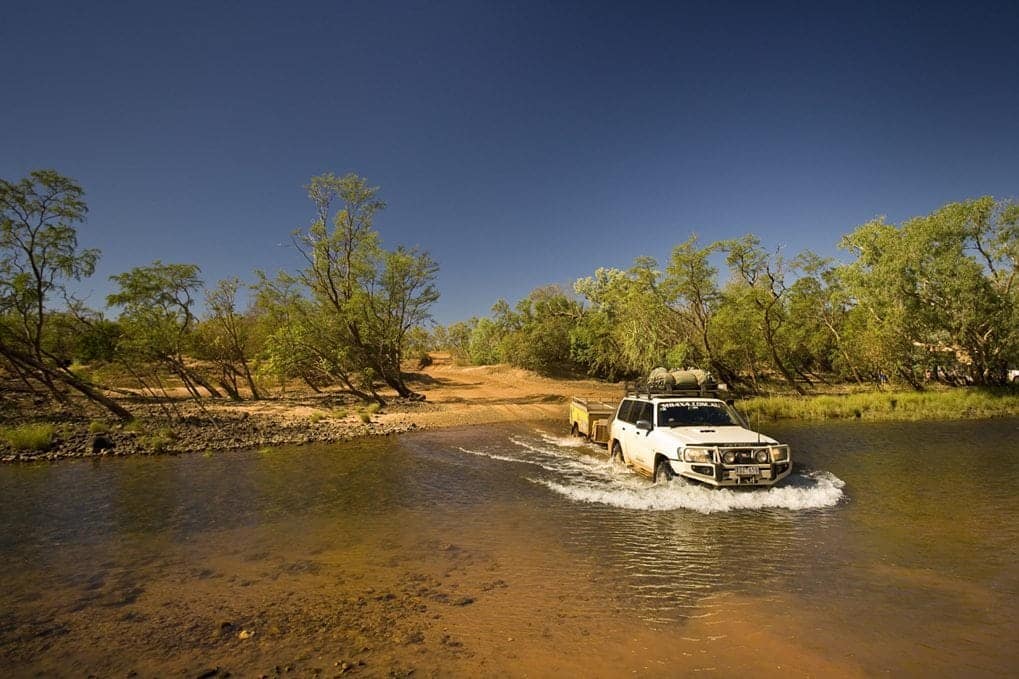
point(591, 418)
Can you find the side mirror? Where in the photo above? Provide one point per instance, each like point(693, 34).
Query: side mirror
point(644, 425)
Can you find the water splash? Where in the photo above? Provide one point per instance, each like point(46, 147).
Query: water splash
point(579, 471)
point(813, 490)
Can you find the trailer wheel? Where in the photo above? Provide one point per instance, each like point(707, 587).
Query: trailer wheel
point(663, 471)
point(574, 430)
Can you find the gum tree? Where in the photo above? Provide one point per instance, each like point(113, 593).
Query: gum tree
point(39, 254)
point(158, 320)
point(370, 297)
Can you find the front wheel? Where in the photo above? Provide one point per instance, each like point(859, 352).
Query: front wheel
point(616, 455)
point(663, 471)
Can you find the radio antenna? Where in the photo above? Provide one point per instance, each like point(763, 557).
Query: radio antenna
point(757, 427)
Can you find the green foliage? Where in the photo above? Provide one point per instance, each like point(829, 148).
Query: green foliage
point(39, 254)
point(39, 245)
point(29, 437)
point(535, 334)
point(97, 340)
point(456, 339)
point(157, 315)
point(157, 320)
point(364, 299)
point(320, 415)
point(158, 441)
point(365, 417)
point(965, 403)
point(933, 299)
point(98, 427)
point(372, 408)
point(134, 426)
point(937, 292)
point(228, 338)
point(483, 346)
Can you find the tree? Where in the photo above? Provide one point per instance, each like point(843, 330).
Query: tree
point(692, 286)
point(759, 282)
point(227, 337)
point(157, 318)
point(291, 349)
point(456, 338)
point(373, 296)
point(38, 254)
point(629, 327)
point(536, 334)
point(483, 347)
point(937, 287)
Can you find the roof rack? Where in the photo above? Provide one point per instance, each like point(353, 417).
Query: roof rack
point(648, 389)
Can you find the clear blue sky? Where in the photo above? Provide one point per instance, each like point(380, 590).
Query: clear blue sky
point(520, 143)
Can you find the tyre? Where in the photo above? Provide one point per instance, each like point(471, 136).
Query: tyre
point(574, 430)
point(616, 455)
point(663, 471)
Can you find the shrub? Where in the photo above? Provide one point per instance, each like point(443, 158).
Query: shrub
point(159, 440)
point(98, 427)
point(372, 408)
point(37, 437)
point(366, 417)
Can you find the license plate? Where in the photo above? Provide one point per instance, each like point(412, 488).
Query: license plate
point(746, 470)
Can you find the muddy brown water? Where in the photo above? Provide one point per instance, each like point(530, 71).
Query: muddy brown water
point(517, 551)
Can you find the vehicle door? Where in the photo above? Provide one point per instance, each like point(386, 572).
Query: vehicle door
point(621, 425)
point(638, 446)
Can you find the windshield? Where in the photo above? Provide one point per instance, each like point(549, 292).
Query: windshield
point(694, 414)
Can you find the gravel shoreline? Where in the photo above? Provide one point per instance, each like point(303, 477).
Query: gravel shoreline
point(197, 432)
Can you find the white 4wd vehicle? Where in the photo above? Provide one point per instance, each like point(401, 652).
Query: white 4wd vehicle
point(698, 438)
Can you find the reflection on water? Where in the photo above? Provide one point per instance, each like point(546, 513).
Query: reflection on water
point(892, 548)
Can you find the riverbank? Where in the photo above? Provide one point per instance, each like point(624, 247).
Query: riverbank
point(455, 396)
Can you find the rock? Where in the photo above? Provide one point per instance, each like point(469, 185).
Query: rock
point(245, 634)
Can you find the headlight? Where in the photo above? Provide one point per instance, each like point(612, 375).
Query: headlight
point(697, 455)
point(780, 453)
point(761, 456)
point(729, 457)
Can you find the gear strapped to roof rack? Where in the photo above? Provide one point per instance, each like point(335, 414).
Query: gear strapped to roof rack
point(663, 382)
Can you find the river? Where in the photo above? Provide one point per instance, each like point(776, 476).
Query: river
point(515, 550)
